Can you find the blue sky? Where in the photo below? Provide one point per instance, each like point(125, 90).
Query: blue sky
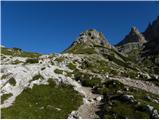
point(48, 27)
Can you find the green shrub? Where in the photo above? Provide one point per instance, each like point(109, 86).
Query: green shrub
point(60, 59)
point(5, 97)
point(132, 74)
point(12, 81)
point(16, 62)
point(71, 66)
point(38, 76)
point(92, 82)
point(4, 76)
point(98, 66)
point(114, 72)
point(51, 82)
point(58, 71)
point(32, 61)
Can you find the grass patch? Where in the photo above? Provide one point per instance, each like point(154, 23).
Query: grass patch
point(4, 76)
point(16, 62)
point(18, 52)
point(119, 108)
point(71, 66)
point(97, 66)
point(5, 97)
point(12, 81)
point(87, 79)
point(42, 101)
point(86, 51)
point(51, 81)
point(91, 82)
point(38, 76)
point(109, 87)
point(60, 59)
point(80, 49)
point(32, 61)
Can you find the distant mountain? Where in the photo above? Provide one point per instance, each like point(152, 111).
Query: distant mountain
point(151, 48)
point(141, 46)
point(134, 36)
point(131, 45)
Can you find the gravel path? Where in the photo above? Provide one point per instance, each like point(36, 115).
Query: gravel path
point(144, 85)
point(90, 103)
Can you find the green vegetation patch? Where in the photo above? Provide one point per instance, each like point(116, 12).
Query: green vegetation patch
point(16, 62)
point(80, 48)
point(18, 52)
point(44, 102)
point(91, 82)
point(122, 110)
point(36, 77)
point(97, 66)
point(71, 66)
point(116, 107)
point(87, 79)
point(4, 76)
point(51, 81)
point(12, 81)
point(60, 59)
point(58, 71)
point(32, 60)
point(5, 97)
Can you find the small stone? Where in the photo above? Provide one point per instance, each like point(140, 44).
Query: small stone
point(129, 98)
point(126, 88)
point(138, 103)
point(109, 107)
point(147, 97)
point(156, 101)
point(91, 100)
point(99, 98)
point(119, 92)
point(58, 109)
point(148, 108)
point(155, 114)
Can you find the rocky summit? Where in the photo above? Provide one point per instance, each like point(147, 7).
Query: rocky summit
point(87, 41)
point(91, 79)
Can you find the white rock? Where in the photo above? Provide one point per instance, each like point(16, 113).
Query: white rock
point(99, 98)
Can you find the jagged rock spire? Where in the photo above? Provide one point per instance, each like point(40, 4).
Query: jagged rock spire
point(133, 36)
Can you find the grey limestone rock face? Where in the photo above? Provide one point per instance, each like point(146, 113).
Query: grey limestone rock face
point(152, 36)
point(92, 37)
point(89, 39)
point(134, 36)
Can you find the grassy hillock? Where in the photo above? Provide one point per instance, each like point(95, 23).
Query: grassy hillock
point(44, 102)
point(18, 52)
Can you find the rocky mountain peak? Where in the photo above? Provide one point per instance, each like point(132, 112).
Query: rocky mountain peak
point(151, 48)
point(134, 29)
point(89, 39)
point(92, 36)
point(134, 36)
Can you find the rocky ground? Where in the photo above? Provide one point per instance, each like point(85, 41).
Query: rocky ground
point(22, 74)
